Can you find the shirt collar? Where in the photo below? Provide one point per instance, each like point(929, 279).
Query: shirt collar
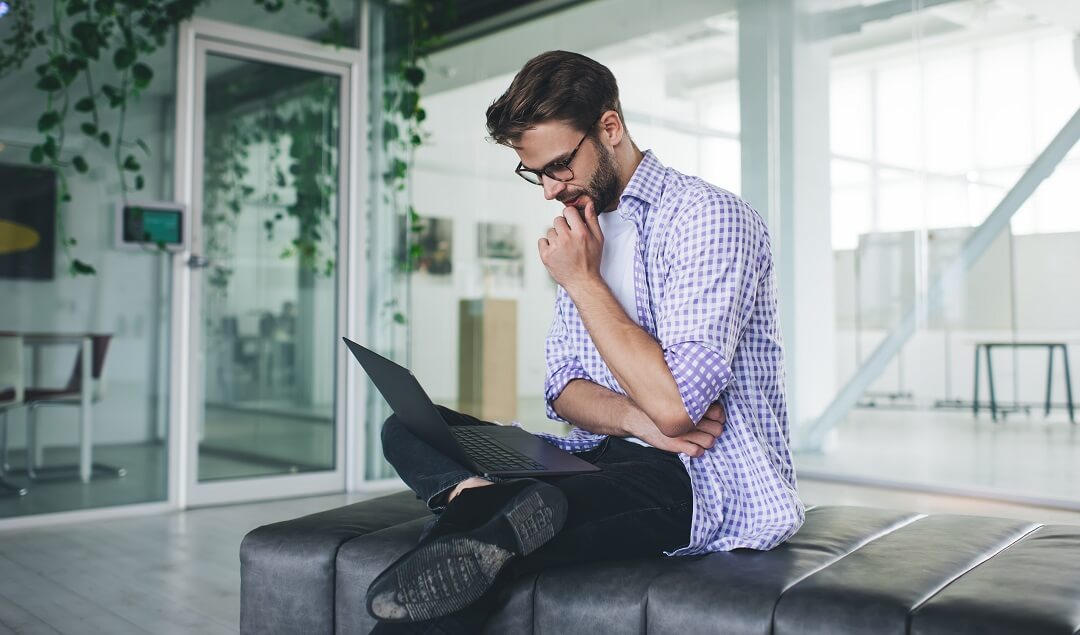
point(645, 185)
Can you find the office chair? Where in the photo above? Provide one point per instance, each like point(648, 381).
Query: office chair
point(69, 395)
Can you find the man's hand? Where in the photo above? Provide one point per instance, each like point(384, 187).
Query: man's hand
point(693, 443)
point(573, 246)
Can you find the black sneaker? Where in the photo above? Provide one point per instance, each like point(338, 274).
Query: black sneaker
point(454, 565)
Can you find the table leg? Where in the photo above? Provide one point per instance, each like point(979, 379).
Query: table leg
point(975, 399)
point(990, 382)
point(1049, 377)
point(1068, 384)
point(85, 416)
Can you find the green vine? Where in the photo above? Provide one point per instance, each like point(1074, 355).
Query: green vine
point(303, 121)
point(419, 25)
point(74, 39)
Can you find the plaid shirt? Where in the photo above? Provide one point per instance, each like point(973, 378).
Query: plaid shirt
point(705, 290)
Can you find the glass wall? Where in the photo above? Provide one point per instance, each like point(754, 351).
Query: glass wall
point(269, 227)
point(935, 116)
point(51, 318)
point(69, 291)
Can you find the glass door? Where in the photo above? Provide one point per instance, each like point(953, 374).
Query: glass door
point(269, 225)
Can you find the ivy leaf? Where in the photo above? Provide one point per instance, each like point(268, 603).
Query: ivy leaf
point(89, 129)
point(142, 145)
point(80, 165)
point(48, 121)
point(140, 182)
point(80, 268)
point(399, 318)
point(86, 34)
point(49, 83)
point(130, 164)
point(72, 242)
point(86, 104)
point(37, 155)
point(104, 139)
point(414, 75)
point(421, 115)
point(50, 148)
point(142, 74)
point(113, 94)
point(123, 58)
point(409, 102)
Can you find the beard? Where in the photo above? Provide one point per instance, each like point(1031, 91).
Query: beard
point(603, 187)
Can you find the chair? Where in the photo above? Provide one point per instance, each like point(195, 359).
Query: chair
point(11, 396)
point(73, 394)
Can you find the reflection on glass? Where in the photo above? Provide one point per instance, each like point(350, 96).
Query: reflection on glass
point(928, 135)
point(269, 223)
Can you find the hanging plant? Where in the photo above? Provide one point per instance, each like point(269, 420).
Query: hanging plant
point(298, 129)
point(77, 39)
point(421, 22)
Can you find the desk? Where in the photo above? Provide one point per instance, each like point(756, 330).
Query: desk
point(35, 342)
point(1050, 348)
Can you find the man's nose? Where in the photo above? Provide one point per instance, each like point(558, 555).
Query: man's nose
point(552, 188)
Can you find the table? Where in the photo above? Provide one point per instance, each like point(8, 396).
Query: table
point(1050, 348)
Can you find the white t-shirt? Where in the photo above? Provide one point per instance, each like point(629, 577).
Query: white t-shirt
point(617, 267)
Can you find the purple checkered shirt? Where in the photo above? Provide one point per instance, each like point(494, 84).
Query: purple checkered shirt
point(704, 285)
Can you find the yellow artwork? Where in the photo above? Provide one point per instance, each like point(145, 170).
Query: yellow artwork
point(15, 237)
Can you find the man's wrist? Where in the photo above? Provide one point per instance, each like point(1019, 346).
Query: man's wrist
point(633, 420)
point(586, 286)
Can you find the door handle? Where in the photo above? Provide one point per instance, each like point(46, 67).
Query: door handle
point(196, 261)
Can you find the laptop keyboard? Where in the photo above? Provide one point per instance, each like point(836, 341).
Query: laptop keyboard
point(490, 453)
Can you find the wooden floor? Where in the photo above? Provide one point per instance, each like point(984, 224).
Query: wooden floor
point(180, 572)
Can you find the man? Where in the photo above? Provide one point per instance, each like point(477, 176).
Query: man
point(664, 355)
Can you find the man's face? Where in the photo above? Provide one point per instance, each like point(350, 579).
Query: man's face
point(594, 165)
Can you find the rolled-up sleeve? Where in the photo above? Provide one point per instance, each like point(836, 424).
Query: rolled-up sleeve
point(714, 255)
point(563, 364)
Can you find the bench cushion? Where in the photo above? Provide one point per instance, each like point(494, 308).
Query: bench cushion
point(848, 570)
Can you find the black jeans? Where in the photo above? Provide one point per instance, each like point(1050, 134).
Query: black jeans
point(639, 505)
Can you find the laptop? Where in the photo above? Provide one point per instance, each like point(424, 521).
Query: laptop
point(505, 451)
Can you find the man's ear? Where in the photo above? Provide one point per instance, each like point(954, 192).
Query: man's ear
point(612, 130)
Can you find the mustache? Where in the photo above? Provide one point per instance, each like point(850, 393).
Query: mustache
point(569, 197)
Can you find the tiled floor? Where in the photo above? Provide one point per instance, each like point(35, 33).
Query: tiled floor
point(1020, 458)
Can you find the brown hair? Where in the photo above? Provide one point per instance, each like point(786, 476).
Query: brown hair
point(553, 86)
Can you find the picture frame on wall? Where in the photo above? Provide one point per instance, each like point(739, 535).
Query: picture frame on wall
point(28, 201)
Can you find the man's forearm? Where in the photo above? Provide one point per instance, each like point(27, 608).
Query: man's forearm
point(633, 357)
point(594, 408)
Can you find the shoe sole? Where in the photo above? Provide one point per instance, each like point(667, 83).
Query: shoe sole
point(452, 572)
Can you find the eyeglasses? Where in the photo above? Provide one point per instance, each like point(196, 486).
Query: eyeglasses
point(557, 170)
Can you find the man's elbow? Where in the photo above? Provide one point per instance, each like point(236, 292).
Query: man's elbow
point(674, 422)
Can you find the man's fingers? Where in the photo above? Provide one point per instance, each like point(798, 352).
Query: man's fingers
point(716, 412)
point(688, 448)
point(711, 426)
point(572, 217)
point(699, 437)
point(593, 221)
point(560, 225)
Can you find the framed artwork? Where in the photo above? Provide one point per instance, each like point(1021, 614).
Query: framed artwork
point(27, 222)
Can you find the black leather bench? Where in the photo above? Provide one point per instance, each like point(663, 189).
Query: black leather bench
point(848, 570)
